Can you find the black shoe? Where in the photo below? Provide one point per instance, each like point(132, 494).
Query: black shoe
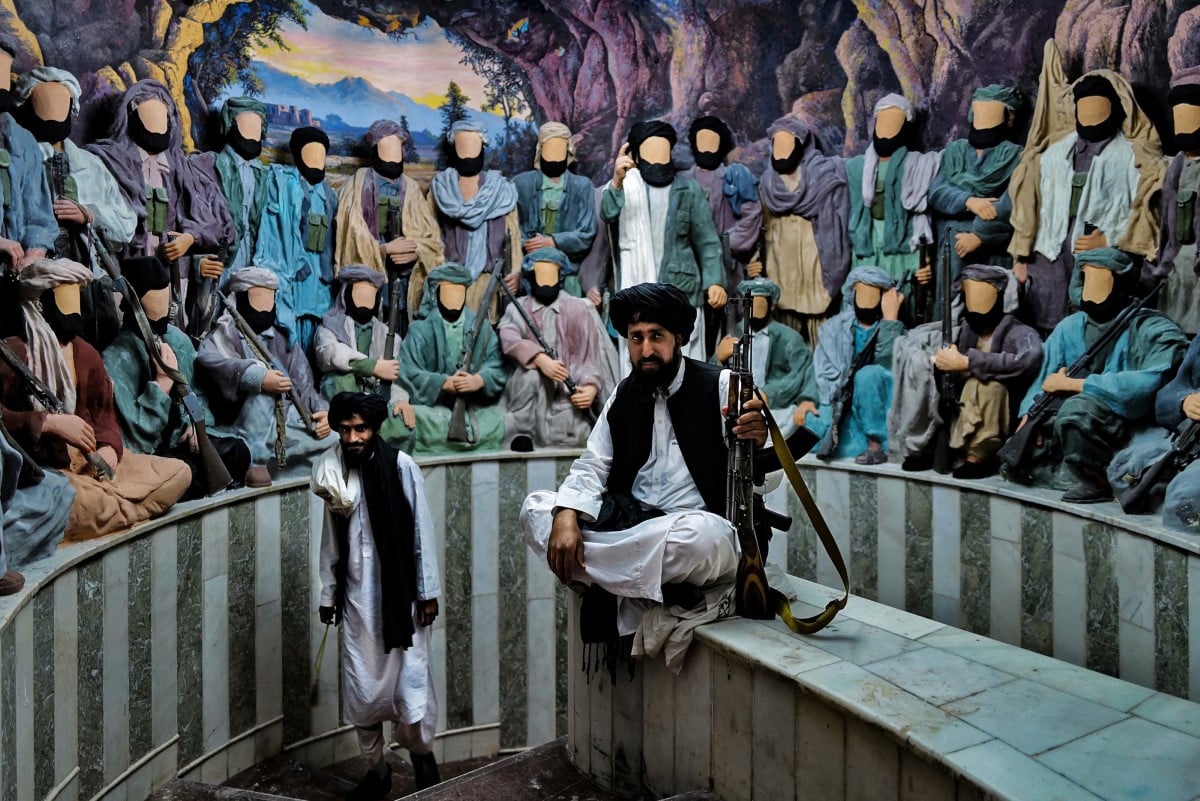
point(372, 786)
point(917, 462)
point(1088, 491)
point(984, 469)
point(521, 443)
point(425, 770)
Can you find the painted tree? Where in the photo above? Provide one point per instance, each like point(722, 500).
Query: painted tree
point(506, 91)
point(410, 150)
point(453, 110)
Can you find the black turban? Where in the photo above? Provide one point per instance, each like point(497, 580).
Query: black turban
point(1098, 86)
point(646, 129)
point(717, 125)
point(370, 407)
point(664, 304)
point(304, 136)
point(145, 274)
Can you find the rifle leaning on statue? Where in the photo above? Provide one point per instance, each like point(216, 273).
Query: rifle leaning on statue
point(1185, 449)
point(459, 430)
point(568, 382)
point(1015, 453)
point(259, 351)
point(947, 386)
point(745, 509)
point(216, 475)
point(843, 395)
point(923, 294)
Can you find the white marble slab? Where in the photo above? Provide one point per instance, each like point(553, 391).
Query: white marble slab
point(1006, 584)
point(947, 553)
point(1069, 590)
point(164, 635)
point(66, 674)
point(872, 764)
point(774, 716)
point(833, 499)
point(539, 581)
point(23, 717)
point(892, 522)
point(1011, 774)
point(485, 659)
point(937, 676)
point(485, 502)
point(540, 657)
point(116, 662)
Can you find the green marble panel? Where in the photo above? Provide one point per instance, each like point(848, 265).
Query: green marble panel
point(918, 548)
point(560, 660)
point(242, 606)
point(513, 611)
point(802, 539)
point(189, 621)
point(561, 468)
point(91, 678)
point(1037, 580)
point(43, 693)
point(141, 602)
point(975, 587)
point(1170, 621)
point(298, 609)
point(864, 536)
point(459, 678)
point(8, 713)
point(1102, 622)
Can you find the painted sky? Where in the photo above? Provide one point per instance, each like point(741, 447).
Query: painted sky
point(419, 66)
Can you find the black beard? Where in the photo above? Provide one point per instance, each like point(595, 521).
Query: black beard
point(356, 456)
point(656, 174)
point(553, 169)
point(450, 315)
point(259, 321)
point(152, 143)
point(468, 168)
point(359, 314)
point(1105, 130)
point(868, 316)
point(49, 131)
point(984, 323)
point(544, 295)
point(6, 100)
point(65, 326)
point(984, 138)
point(648, 383)
point(1105, 310)
point(390, 170)
point(311, 175)
point(248, 149)
point(708, 160)
point(159, 327)
point(1188, 142)
point(884, 148)
point(788, 164)
point(759, 323)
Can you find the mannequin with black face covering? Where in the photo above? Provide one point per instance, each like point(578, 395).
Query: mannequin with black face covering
point(349, 348)
point(665, 226)
point(242, 392)
point(537, 403)
point(1177, 256)
point(429, 368)
point(151, 420)
point(889, 187)
point(1104, 410)
point(28, 227)
point(969, 196)
point(556, 208)
point(1092, 190)
point(297, 235)
point(475, 208)
point(993, 360)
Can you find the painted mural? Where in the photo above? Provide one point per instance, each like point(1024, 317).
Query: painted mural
point(597, 65)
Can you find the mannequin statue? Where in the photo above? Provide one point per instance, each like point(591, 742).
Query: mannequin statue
point(969, 196)
point(1177, 259)
point(475, 209)
point(385, 221)
point(557, 208)
point(666, 230)
point(27, 227)
point(295, 240)
point(429, 368)
point(1116, 399)
point(804, 219)
point(993, 359)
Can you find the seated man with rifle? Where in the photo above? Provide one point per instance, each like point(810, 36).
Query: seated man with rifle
point(73, 423)
point(356, 352)
point(957, 390)
point(450, 366)
point(1162, 464)
point(257, 381)
point(152, 365)
point(853, 362)
point(1102, 368)
point(553, 340)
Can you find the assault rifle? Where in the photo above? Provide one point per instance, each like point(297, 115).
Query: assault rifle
point(1185, 449)
point(459, 431)
point(568, 382)
point(947, 386)
point(36, 389)
point(839, 405)
point(216, 475)
point(398, 278)
point(204, 305)
point(923, 294)
point(1015, 452)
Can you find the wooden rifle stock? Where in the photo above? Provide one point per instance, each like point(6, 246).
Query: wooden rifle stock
point(458, 430)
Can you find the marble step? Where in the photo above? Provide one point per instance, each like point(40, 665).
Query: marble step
point(183, 790)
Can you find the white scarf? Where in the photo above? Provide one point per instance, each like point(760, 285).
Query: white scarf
point(332, 482)
point(636, 236)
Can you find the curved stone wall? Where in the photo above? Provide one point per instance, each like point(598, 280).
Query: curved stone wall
point(1086, 584)
point(186, 646)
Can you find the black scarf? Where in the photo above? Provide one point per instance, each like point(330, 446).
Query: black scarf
point(394, 530)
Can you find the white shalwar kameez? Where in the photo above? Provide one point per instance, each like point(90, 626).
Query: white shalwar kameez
point(379, 686)
point(686, 544)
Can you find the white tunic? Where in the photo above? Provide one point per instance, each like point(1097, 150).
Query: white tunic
point(379, 686)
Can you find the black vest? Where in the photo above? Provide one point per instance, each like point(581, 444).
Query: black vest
point(695, 412)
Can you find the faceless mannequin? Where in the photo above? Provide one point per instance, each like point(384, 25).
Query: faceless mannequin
point(150, 126)
point(50, 104)
point(990, 123)
point(546, 282)
point(451, 300)
point(257, 306)
point(249, 125)
point(468, 152)
point(785, 152)
point(655, 150)
point(554, 157)
point(156, 303)
point(889, 122)
point(760, 312)
point(1187, 128)
point(979, 296)
point(154, 116)
point(246, 135)
point(867, 296)
point(1097, 283)
point(1098, 113)
point(390, 148)
point(1093, 110)
point(313, 155)
point(261, 298)
point(61, 309)
point(364, 294)
point(708, 141)
point(6, 63)
point(66, 297)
